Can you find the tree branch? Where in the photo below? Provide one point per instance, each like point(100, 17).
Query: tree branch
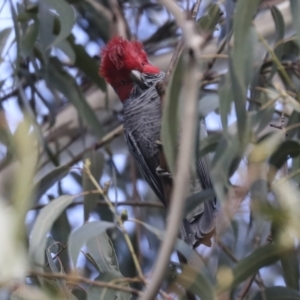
point(76, 278)
point(182, 176)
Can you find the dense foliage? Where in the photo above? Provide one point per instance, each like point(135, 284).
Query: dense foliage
point(77, 220)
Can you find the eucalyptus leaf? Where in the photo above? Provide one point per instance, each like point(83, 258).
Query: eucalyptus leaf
point(86, 63)
point(65, 47)
point(29, 38)
point(83, 234)
point(277, 293)
point(290, 267)
point(259, 258)
point(295, 11)
point(62, 81)
point(210, 21)
point(4, 35)
point(186, 250)
point(103, 253)
point(226, 98)
point(208, 104)
point(279, 23)
point(66, 17)
point(197, 283)
point(286, 150)
point(46, 182)
point(170, 119)
point(41, 228)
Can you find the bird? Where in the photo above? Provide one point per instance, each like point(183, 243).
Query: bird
point(126, 67)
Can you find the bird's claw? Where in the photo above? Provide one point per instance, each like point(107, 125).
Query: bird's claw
point(162, 173)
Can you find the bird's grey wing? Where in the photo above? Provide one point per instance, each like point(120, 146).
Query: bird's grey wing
point(147, 166)
point(199, 224)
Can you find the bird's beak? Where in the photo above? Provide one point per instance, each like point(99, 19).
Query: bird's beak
point(137, 78)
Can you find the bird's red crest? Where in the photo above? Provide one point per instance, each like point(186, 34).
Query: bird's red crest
point(119, 58)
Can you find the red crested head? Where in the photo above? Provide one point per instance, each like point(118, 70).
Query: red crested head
point(118, 59)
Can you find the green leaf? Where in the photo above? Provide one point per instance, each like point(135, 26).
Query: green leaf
point(286, 150)
point(279, 22)
point(170, 118)
point(17, 36)
point(4, 34)
point(239, 97)
point(97, 164)
point(86, 63)
point(98, 293)
point(259, 258)
point(103, 253)
point(209, 144)
point(62, 81)
point(277, 293)
point(210, 21)
point(46, 182)
point(243, 49)
point(208, 104)
point(59, 282)
point(226, 97)
point(26, 147)
point(295, 11)
point(290, 267)
point(264, 148)
point(42, 226)
point(187, 251)
point(195, 282)
point(29, 38)
point(65, 47)
point(66, 16)
point(83, 234)
point(226, 159)
point(46, 35)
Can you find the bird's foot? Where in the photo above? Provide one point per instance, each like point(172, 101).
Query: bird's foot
point(162, 173)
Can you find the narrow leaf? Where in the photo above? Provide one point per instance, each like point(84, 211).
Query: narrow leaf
point(29, 38)
point(83, 234)
point(66, 17)
point(277, 293)
point(46, 182)
point(4, 34)
point(295, 10)
point(279, 23)
point(259, 258)
point(68, 50)
point(195, 282)
point(62, 81)
point(42, 226)
point(86, 63)
point(101, 250)
point(170, 119)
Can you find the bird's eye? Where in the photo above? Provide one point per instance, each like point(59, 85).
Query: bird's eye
point(122, 82)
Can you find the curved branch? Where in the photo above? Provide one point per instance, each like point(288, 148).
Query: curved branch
point(182, 176)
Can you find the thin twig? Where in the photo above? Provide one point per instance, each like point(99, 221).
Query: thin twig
point(76, 278)
point(118, 218)
point(104, 203)
point(190, 87)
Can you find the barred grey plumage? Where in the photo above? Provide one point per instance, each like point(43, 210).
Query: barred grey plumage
point(142, 124)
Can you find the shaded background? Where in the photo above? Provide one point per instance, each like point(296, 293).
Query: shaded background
point(49, 73)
